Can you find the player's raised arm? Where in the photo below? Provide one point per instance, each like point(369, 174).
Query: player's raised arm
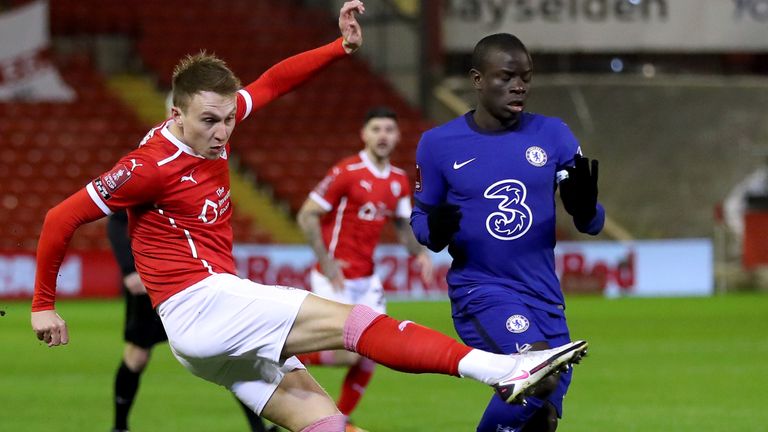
point(294, 71)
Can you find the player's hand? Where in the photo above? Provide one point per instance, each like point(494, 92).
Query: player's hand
point(134, 285)
point(579, 190)
point(443, 221)
point(50, 328)
point(350, 28)
point(332, 270)
point(424, 264)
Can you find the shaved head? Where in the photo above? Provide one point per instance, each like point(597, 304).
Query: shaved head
point(495, 42)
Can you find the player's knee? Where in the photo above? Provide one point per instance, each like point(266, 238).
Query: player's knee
point(136, 358)
point(318, 326)
point(545, 420)
point(299, 402)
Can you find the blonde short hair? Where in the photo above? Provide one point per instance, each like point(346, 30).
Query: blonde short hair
point(201, 72)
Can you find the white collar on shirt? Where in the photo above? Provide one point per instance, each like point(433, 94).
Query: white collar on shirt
point(175, 141)
point(372, 167)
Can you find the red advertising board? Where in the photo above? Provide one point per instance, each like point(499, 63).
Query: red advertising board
point(641, 268)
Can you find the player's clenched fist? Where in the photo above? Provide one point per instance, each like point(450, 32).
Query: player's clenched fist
point(50, 328)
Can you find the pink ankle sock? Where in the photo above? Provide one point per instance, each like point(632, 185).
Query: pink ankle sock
point(334, 423)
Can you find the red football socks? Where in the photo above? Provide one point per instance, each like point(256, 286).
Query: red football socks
point(357, 379)
point(402, 345)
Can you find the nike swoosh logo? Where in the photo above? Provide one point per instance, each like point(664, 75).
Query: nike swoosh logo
point(403, 325)
point(523, 375)
point(457, 165)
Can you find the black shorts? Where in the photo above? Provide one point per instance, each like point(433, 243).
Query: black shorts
point(142, 325)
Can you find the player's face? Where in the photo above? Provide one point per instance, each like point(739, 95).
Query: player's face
point(503, 83)
point(207, 122)
point(380, 136)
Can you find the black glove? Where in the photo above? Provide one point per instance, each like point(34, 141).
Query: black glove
point(579, 190)
point(443, 221)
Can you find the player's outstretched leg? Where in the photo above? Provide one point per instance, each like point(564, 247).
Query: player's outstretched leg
point(408, 347)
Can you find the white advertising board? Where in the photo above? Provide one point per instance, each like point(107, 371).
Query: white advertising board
point(611, 25)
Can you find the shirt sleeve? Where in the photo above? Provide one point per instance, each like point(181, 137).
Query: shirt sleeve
point(596, 224)
point(430, 189)
point(331, 189)
point(569, 146)
point(285, 76)
point(59, 226)
point(134, 180)
point(404, 206)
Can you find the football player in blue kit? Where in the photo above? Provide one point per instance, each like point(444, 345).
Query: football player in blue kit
point(485, 188)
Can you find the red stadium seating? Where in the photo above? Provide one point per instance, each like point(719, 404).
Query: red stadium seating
point(50, 150)
point(290, 145)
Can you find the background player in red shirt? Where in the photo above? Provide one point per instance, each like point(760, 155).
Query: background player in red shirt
point(342, 220)
point(231, 331)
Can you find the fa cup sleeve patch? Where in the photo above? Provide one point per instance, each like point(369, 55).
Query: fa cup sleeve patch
point(108, 183)
point(417, 182)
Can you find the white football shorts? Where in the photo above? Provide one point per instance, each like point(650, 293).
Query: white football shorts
point(231, 331)
point(366, 291)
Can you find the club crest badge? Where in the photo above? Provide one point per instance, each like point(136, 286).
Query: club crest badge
point(536, 156)
point(517, 324)
point(395, 188)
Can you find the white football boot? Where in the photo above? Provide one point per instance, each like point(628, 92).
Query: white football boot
point(533, 366)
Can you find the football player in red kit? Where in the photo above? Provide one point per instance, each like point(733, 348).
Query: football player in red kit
point(342, 220)
point(230, 331)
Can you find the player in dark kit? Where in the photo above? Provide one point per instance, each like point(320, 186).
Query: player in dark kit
point(143, 329)
point(485, 189)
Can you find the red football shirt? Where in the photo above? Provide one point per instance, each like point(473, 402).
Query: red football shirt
point(178, 207)
point(359, 199)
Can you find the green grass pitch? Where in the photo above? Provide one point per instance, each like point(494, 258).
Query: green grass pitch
point(678, 365)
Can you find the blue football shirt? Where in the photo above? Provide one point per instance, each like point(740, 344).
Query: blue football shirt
point(505, 183)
